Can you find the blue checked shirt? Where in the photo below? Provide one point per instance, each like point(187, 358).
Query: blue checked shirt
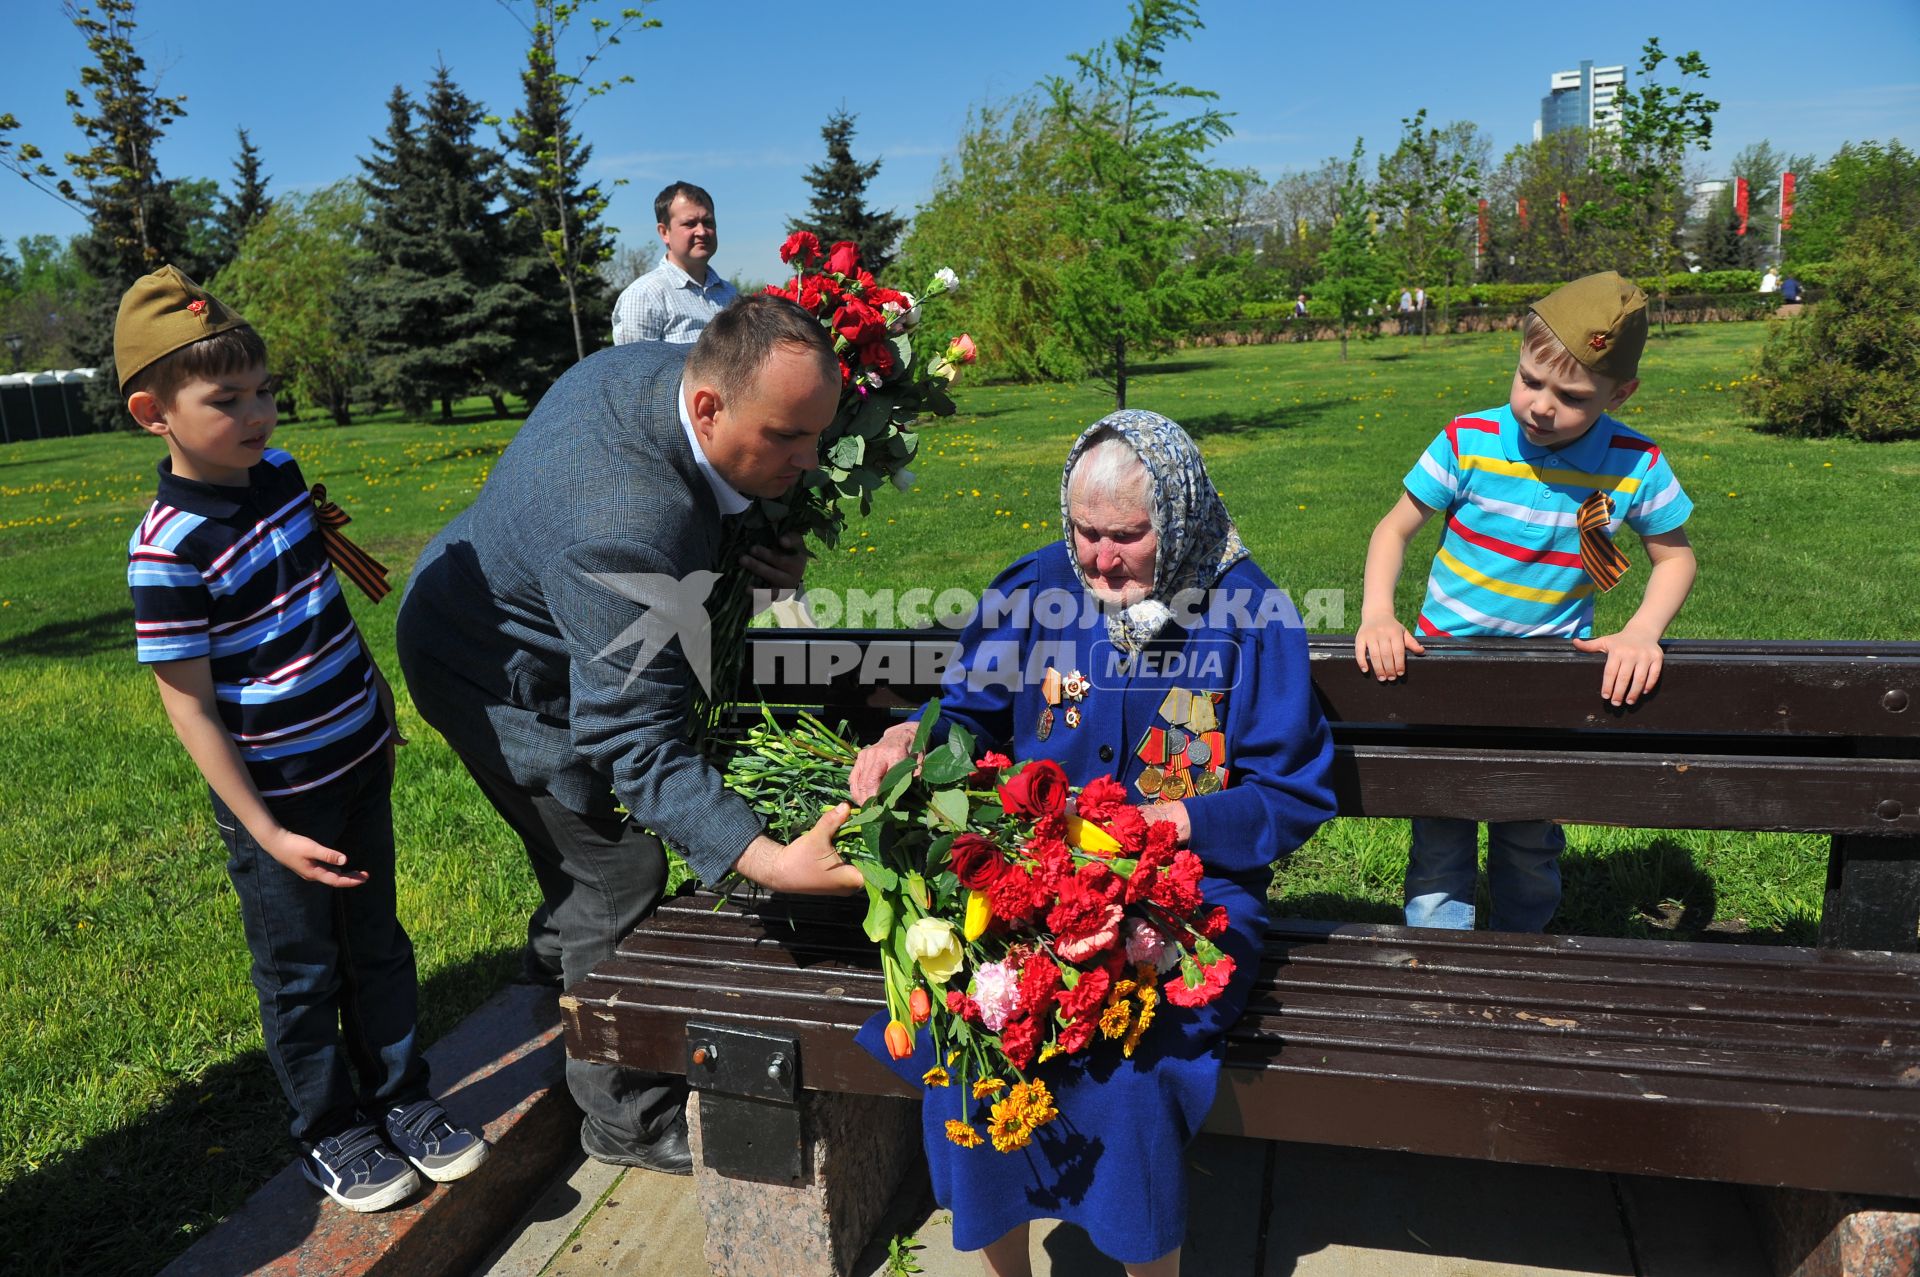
point(665, 304)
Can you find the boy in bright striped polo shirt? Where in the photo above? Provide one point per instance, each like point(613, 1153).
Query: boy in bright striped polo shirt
point(276, 698)
point(1534, 492)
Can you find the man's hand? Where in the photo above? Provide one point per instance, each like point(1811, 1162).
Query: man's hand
point(879, 758)
point(1381, 647)
point(808, 865)
point(782, 571)
point(1633, 664)
point(305, 858)
point(1176, 812)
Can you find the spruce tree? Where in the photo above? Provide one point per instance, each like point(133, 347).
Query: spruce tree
point(440, 312)
point(239, 211)
point(838, 210)
point(133, 224)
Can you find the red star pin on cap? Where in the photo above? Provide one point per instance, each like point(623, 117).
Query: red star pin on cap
point(1599, 341)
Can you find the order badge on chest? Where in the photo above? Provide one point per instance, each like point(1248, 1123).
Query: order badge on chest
point(1185, 752)
point(1055, 689)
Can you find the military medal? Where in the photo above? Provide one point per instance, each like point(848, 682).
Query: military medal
point(1046, 723)
point(1073, 716)
point(1176, 741)
point(1150, 781)
point(1198, 752)
point(1050, 691)
point(1206, 783)
point(1175, 787)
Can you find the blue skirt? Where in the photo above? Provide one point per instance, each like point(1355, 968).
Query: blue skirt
point(1115, 1161)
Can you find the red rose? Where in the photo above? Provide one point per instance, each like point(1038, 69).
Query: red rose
point(859, 323)
point(1038, 789)
point(844, 259)
point(977, 861)
point(1100, 799)
point(988, 768)
point(804, 245)
point(878, 355)
point(1020, 1040)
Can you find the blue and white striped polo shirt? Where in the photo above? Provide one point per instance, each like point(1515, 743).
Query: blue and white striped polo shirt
point(240, 576)
point(1509, 556)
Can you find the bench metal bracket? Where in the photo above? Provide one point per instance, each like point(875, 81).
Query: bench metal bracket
point(751, 1126)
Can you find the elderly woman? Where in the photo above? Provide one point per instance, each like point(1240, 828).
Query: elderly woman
point(1147, 645)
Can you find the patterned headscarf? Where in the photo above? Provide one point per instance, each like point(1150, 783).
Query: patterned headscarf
point(1198, 541)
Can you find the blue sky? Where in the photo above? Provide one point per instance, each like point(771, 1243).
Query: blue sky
point(731, 93)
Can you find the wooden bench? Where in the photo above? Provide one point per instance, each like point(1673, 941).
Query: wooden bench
point(1778, 1066)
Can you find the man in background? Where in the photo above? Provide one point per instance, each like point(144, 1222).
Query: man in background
point(676, 299)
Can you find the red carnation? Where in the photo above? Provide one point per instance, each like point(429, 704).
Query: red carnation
point(977, 861)
point(878, 355)
point(845, 259)
point(1074, 1038)
point(1178, 889)
point(804, 245)
point(1052, 825)
point(1100, 799)
point(1146, 871)
point(1087, 995)
point(1011, 896)
point(1212, 981)
point(963, 1006)
point(1020, 1040)
point(1216, 922)
point(1103, 881)
point(1083, 920)
point(988, 768)
point(880, 296)
point(1038, 789)
point(1039, 982)
point(1129, 829)
point(1052, 865)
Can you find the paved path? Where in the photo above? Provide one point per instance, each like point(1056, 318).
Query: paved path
point(1259, 1210)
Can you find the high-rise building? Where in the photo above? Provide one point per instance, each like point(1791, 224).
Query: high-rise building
point(1582, 99)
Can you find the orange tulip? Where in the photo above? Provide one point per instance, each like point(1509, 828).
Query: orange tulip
point(920, 1006)
point(899, 1040)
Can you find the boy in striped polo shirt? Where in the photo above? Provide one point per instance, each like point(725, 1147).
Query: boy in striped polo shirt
point(1534, 491)
point(275, 696)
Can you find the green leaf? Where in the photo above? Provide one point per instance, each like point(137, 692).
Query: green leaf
point(951, 806)
point(916, 887)
point(848, 452)
point(879, 921)
point(928, 717)
point(880, 878)
point(962, 739)
point(946, 766)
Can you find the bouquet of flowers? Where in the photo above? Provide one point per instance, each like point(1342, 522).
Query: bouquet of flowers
point(1012, 929)
point(885, 387)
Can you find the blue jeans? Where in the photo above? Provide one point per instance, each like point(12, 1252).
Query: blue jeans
point(332, 965)
point(1523, 873)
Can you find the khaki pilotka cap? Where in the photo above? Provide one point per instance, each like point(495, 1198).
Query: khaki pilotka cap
point(1601, 320)
point(161, 313)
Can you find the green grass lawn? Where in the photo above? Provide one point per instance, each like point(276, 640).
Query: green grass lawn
point(137, 1105)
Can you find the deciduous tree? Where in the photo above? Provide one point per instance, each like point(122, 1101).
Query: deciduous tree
point(1353, 270)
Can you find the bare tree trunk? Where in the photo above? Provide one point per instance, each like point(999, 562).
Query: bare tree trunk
point(1119, 373)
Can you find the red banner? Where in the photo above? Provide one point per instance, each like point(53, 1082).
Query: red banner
point(1483, 226)
point(1520, 206)
point(1786, 201)
point(1740, 203)
point(1563, 210)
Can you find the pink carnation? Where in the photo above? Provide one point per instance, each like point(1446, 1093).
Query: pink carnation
point(996, 987)
point(1145, 943)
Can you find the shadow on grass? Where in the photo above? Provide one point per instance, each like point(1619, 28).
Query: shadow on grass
point(1655, 892)
point(131, 1200)
point(1264, 418)
point(1328, 906)
point(70, 640)
point(466, 454)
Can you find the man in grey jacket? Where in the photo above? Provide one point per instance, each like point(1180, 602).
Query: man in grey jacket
point(540, 634)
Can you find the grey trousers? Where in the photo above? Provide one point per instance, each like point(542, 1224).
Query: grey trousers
point(599, 878)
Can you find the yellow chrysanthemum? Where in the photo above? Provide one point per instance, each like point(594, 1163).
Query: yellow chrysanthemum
point(936, 1076)
point(1115, 1020)
point(1037, 1100)
point(963, 1135)
point(1121, 989)
point(1048, 1051)
point(1010, 1128)
point(988, 1086)
point(1148, 997)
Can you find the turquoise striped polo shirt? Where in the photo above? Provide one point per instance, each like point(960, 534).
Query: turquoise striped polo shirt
point(1509, 556)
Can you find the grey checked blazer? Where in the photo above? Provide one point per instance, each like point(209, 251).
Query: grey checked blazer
point(501, 624)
